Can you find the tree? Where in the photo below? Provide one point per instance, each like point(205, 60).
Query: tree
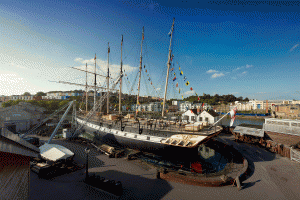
point(26, 94)
point(40, 94)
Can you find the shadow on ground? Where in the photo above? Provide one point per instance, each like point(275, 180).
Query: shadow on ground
point(138, 187)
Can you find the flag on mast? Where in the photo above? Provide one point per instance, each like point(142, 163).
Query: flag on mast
point(232, 115)
point(95, 57)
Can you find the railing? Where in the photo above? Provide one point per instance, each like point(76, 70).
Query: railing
point(295, 155)
point(282, 129)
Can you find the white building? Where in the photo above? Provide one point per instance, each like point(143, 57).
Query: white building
point(151, 107)
point(185, 106)
point(21, 97)
point(193, 115)
point(208, 116)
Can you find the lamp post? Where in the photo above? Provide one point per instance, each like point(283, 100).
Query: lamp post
point(87, 151)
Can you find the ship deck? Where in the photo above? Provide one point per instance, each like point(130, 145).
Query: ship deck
point(157, 125)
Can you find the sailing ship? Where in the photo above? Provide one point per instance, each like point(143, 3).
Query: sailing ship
point(142, 133)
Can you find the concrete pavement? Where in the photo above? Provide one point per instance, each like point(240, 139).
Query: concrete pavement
point(272, 177)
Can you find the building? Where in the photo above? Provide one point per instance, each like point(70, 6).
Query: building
point(209, 116)
point(151, 107)
point(15, 154)
point(185, 106)
point(20, 117)
point(21, 97)
point(288, 110)
point(194, 115)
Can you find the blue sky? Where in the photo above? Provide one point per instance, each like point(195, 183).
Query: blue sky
point(250, 50)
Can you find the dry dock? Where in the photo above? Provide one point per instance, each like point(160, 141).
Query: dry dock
point(272, 177)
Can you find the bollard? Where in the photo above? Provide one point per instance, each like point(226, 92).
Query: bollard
point(157, 174)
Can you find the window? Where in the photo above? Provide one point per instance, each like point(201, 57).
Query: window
point(200, 119)
point(193, 118)
point(206, 119)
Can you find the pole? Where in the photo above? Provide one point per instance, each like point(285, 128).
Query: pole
point(139, 85)
point(86, 90)
point(169, 64)
point(107, 110)
point(95, 86)
point(121, 72)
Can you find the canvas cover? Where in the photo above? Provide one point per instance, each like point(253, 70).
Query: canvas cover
point(55, 152)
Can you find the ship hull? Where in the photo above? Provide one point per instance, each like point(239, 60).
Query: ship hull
point(148, 139)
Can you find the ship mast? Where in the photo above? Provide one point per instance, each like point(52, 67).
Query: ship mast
point(86, 90)
point(95, 86)
point(169, 64)
point(141, 57)
point(121, 72)
point(107, 110)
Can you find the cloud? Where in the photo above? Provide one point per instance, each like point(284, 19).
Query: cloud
point(189, 92)
point(216, 75)
point(245, 72)
point(114, 69)
point(211, 71)
point(248, 66)
point(294, 47)
point(19, 66)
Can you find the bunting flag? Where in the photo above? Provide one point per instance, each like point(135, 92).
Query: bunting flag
point(179, 90)
point(174, 79)
point(108, 49)
point(198, 98)
point(172, 69)
point(172, 57)
point(187, 83)
point(176, 84)
point(181, 73)
point(151, 82)
point(184, 78)
point(182, 97)
point(146, 71)
point(170, 33)
point(144, 66)
point(174, 74)
point(179, 68)
point(191, 88)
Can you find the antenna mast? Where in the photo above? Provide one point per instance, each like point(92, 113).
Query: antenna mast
point(141, 57)
point(169, 64)
point(95, 85)
point(86, 90)
point(107, 110)
point(121, 73)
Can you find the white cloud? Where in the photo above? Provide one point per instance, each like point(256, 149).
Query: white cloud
point(114, 69)
point(211, 71)
point(216, 75)
point(245, 72)
point(248, 66)
point(294, 47)
point(189, 92)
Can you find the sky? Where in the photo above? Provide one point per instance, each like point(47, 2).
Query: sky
point(244, 48)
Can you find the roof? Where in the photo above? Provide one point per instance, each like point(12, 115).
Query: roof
point(55, 152)
point(11, 143)
point(213, 113)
